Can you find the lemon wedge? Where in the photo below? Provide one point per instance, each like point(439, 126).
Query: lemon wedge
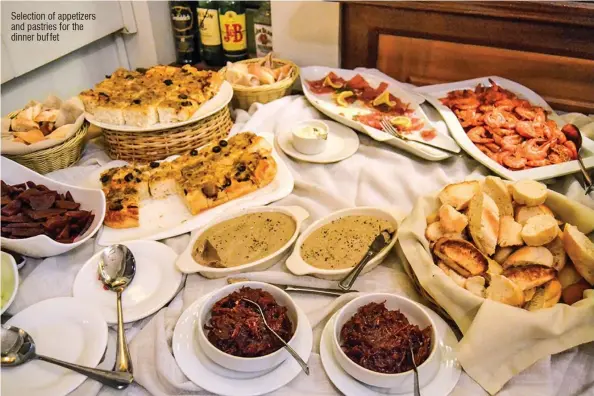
point(328, 82)
point(401, 121)
point(341, 98)
point(383, 98)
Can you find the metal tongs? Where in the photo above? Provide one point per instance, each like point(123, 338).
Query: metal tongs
point(389, 128)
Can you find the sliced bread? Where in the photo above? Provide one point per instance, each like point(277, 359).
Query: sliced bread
point(484, 223)
point(505, 291)
point(529, 276)
point(497, 189)
point(530, 255)
point(580, 250)
point(540, 230)
point(529, 192)
point(459, 194)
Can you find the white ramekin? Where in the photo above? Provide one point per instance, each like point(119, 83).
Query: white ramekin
point(309, 145)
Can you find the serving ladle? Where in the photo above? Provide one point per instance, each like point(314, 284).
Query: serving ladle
point(573, 134)
point(116, 269)
point(18, 348)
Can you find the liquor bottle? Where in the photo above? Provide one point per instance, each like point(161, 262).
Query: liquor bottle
point(263, 30)
point(233, 30)
point(210, 33)
point(184, 30)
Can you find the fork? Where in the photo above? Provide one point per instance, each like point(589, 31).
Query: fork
point(389, 128)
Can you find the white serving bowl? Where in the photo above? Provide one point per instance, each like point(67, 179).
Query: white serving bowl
point(245, 364)
point(309, 145)
point(42, 245)
point(11, 267)
point(298, 266)
point(186, 263)
point(401, 382)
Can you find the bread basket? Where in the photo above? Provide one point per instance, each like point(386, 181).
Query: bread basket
point(243, 96)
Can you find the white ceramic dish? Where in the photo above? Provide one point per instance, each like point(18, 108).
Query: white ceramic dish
point(442, 384)
point(298, 266)
point(308, 143)
point(416, 315)
point(9, 269)
point(41, 245)
point(216, 379)
point(326, 105)
point(156, 282)
point(63, 328)
point(219, 101)
point(342, 143)
point(243, 364)
point(186, 263)
point(165, 218)
point(434, 92)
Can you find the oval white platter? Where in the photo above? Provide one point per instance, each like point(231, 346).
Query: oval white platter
point(63, 328)
point(217, 379)
point(42, 245)
point(156, 282)
point(325, 104)
point(211, 106)
point(442, 384)
point(434, 92)
point(169, 217)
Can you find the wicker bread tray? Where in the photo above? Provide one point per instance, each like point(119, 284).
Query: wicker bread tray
point(243, 97)
point(157, 145)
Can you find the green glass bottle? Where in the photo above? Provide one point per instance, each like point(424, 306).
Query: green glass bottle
point(233, 30)
point(210, 33)
point(184, 31)
point(263, 30)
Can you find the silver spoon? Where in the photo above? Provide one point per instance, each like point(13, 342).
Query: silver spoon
point(18, 348)
point(573, 134)
point(377, 245)
point(117, 268)
point(417, 391)
point(293, 353)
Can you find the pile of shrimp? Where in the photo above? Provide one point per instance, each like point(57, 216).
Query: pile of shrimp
point(509, 130)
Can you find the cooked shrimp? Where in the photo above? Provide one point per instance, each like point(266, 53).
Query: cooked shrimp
point(527, 130)
point(512, 161)
point(479, 135)
point(485, 150)
point(505, 104)
point(508, 143)
point(564, 152)
point(571, 145)
point(465, 103)
point(493, 147)
point(534, 149)
point(468, 117)
point(527, 113)
point(500, 119)
point(537, 163)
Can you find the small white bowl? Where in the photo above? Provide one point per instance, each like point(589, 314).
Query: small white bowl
point(313, 144)
point(401, 382)
point(186, 263)
point(9, 267)
point(298, 266)
point(245, 364)
point(42, 245)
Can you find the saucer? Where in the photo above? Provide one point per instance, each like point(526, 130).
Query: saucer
point(442, 384)
point(219, 380)
point(342, 143)
point(63, 328)
point(156, 282)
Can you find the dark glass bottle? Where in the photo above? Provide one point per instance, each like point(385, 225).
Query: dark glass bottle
point(233, 30)
point(210, 33)
point(183, 21)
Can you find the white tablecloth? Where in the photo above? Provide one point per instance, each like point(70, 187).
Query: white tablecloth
point(377, 175)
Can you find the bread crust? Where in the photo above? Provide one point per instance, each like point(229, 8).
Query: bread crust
point(581, 251)
point(461, 255)
point(483, 217)
point(527, 277)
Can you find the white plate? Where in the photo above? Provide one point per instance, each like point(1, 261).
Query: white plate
point(9, 268)
point(156, 282)
point(442, 384)
point(342, 143)
point(41, 245)
point(326, 105)
point(63, 328)
point(434, 92)
point(220, 100)
point(165, 218)
point(216, 379)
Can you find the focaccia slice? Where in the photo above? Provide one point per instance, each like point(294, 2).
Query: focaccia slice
point(122, 208)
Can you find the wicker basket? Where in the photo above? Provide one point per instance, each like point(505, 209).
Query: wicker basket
point(57, 157)
point(243, 97)
point(152, 146)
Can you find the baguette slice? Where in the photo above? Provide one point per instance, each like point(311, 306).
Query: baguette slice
point(530, 255)
point(451, 220)
point(505, 291)
point(529, 276)
point(540, 230)
point(546, 296)
point(569, 276)
point(456, 277)
point(498, 191)
point(529, 192)
point(558, 251)
point(435, 231)
point(460, 255)
point(580, 250)
point(459, 194)
point(502, 254)
point(575, 292)
point(523, 213)
point(494, 268)
point(529, 294)
point(476, 285)
point(484, 223)
point(510, 232)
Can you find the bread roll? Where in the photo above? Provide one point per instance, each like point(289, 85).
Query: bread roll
point(529, 192)
point(569, 275)
point(434, 231)
point(30, 137)
point(510, 232)
point(476, 285)
point(459, 194)
point(451, 220)
point(530, 255)
point(523, 213)
point(529, 276)
point(575, 292)
point(546, 296)
point(501, 254)
point(580, 250)
point(462, 256)
point(22, 125)
point(505, 291)
point(558, 251)
point(484, 223)
point(433, 217)
point(498, 191)
point(540, 230)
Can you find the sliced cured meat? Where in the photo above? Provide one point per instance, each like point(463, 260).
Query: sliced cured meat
point(42, 201)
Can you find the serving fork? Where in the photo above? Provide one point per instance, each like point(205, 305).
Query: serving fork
point(389, 129)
